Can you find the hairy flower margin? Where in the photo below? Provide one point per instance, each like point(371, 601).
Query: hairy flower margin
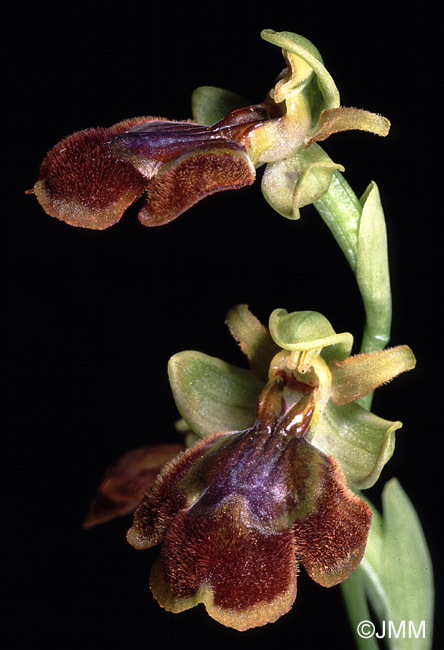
point(269, 485)
point(91, 177)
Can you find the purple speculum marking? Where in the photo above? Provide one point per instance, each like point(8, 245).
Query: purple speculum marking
point(163, 142)
point(265, 466)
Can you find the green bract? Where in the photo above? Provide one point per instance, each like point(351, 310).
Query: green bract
point(395, 575)
point(213, 396)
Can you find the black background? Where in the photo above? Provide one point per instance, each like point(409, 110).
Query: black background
point(94, 316)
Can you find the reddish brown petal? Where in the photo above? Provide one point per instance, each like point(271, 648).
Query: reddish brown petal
point(243, 577)
point(127, 481)
point(181, 184)
point(331, 541)
point(83, 184)
point(167, 496)
point(91, 177)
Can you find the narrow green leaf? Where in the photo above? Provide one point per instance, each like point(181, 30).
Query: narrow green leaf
point(398, 573)
point(372, 271)
point(358, 611)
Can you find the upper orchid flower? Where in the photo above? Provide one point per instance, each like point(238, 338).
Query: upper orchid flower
point(269, 485)
point(91, 177)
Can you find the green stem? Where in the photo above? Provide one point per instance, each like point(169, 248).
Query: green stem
point(364, 244)
point(358, 227)
point(341, 210)
point(357, 609)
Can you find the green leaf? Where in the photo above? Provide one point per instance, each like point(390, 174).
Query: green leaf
point(357, 608)
point(212, 395)
point(359, 229)
point(372, 271)
point(398, 574)
point(360, 441)
point(210, 104)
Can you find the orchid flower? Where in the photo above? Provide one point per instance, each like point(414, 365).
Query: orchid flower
point(270, 480)
point(90, 178)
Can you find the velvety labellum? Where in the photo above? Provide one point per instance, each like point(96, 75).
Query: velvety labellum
point(235, 511)
point(91, 177)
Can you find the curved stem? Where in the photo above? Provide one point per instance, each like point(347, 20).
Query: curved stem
point(341, 210)
point(359, 229)
point(357, 609)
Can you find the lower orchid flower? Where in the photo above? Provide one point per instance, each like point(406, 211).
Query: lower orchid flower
point(236, 511)
point(270, 485)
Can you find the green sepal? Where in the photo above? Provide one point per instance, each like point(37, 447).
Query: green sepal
point(397, 571)
point(309, 330)
point(304, 49)
point(210, 104)
point(212, 395)
point(360, 441)
point(292, 183)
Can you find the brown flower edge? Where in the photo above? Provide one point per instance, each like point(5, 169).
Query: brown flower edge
point(238, 511)
point(91, 177)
